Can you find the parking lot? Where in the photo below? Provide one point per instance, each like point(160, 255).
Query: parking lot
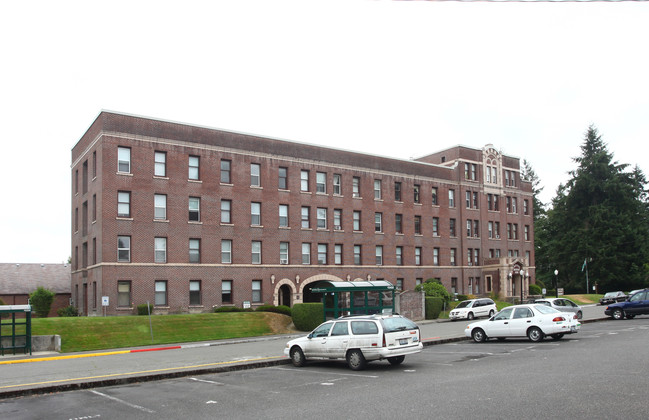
point(599, 373)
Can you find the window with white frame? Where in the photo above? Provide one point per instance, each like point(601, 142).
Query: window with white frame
point(356, 186)
point(160, 206)
point(160, 250)
point(378, 222)
point(453, 256)
point(399, 285)
point(256, 252)
point(256, 291)
point(417, 225)
point(282, 181)
point(226, 251)
point(321, 182)
point(417, 194)
point(377, 189)
point(527, 232)
point(124, 204)
point(321, 216)
point(226, 212)
point(451, 225)
point(304, 180)
point(357, 255)
point(194, 168)
point(397, 191)
point(337, 184)
point(451, 198)
point(356, 217)
point(379, 255)
point(399, 255)
point(160, 164)
point(226, 168)
point(283, 252)
point(194, 209)
point(338, 219)
point(124, 160)
point(338, 254)
point(322, 254)
point(434, 195)
point(255, 177)
point(194, 250)
point(255, 214)
point(124, 249)
point(418, 255)
point(283, 215)
point(124, 294)
point(160, 293)
point(435, 256)
point(304, 215)
point(195, 292)
point(398, 223)
point(226, 291)
point(306, 253)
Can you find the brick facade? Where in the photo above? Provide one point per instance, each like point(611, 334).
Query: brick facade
point(97, 182)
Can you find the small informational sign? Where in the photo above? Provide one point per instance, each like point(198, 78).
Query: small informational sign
point(246, 304)
point(104, 301)
point(544, 291)
point(560, 291)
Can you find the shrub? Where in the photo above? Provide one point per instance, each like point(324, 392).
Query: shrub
point(462, 297)
point(41, 301)
point(281, 309)
point(67, 311)
point(433, 307)
point(220, 309)
point(535, 289)
point(433, 288)
point(143, 310)
point(307, 316)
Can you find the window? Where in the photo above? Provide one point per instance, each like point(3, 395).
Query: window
point(256, 291)
point(338, 254)
point(466, 171)
point(322, 254)
point(304, 212)
point(193, 168)
point(282, 182)
point(398, 223)
point(506, 177)
point(226, 291)
point(490, 230)
point(436, 256)
point(476, 228)
point(123, 160)
point(418, 255)
point(435, 226)
point(497, 229)
point(194, 250)
point(490, 201)
point(434, 195)
point(379, 255)
point(304, 180)
point(417, 225)
point(357, 220)
point(283, 215)
point(476, 256)
point(527, 232)
point(416, 193)
point(338, 219)
point(468, 199)
point(377, 189)
point(474, 172)
point(225, 171)
point(306, 253)
point(94, 167)
point(255, 214)
point(161, 293)
point(509, 231)
point(226, 251)
point(94, 207)
point(256, 252)
point(321, 218)
point(194, 292)
point(399, 285)
point(283, 252)
point(397, 191)
point(124, 294)
point(255, 178)
point(378, 222)
point(160, 164)
point(452, 230)
point(515, 230)
point(509, 204)
point(356, 186)
point(226, 211)
point(124, 249)
point(453, 256)
point(321, 182)
point(357, 254)
point(194, 209)
point(160, 207)
point(399, 254)
point(160, 250)
point(419, 281)
point(451, 198)
point(475, 200)
point(338, 184)
point(469, 252)
point(526, 207)
point(514, 205)
point(123, 204)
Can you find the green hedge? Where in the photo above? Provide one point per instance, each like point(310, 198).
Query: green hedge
point(67, 311)
point(307, 316)
point(535, 289)
point(433, 307)
point(142, 309)
point(231, 309)
point(281, 309)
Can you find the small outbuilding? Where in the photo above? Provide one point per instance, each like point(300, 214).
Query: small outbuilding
point(18, 281)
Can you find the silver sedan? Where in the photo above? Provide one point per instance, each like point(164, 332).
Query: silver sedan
point(562, 304)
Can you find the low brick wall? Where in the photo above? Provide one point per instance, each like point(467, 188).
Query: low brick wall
point(411, 305)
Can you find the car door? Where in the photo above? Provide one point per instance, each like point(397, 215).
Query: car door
point(480, 308)
point(498, 326)
point(523, 318)
point(316, 344)
point(338, 340)
point(637, 304)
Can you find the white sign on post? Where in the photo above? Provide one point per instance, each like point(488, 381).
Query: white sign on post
point(104, 301)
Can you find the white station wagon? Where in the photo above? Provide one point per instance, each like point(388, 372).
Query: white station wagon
point(358, 340)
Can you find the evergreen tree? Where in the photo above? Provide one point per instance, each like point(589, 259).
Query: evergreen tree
point(598, 218)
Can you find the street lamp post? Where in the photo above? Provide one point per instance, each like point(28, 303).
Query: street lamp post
point(523, 276)
point(556, 283)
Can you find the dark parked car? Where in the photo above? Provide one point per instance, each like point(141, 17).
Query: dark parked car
point(636, 304)
point(612, 297)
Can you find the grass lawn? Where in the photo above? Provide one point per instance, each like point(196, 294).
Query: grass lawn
point(97, 333)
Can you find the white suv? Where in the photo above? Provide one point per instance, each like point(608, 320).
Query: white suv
point(358, 339)
point(473, 308)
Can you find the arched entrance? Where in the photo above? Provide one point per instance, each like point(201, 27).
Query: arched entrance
point(284, 295)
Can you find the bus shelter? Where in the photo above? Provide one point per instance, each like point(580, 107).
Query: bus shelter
point(15, 328)
point(341, 298)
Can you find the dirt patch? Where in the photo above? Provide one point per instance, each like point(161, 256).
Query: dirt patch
point(280, 324)
point(581, 299)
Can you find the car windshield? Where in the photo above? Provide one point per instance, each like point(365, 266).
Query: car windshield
point(398, 324)
point(465, 304)
point(610, 294)
point(545, 309)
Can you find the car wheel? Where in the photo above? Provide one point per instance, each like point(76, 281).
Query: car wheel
point(470, 316)
point(557, 336)
point(478, 335)
point(356, 360)
point(579, 315)
point(491, 313)
point(297, 357)
point(630, 316)
point(535, 334)
point(396, 360)
point(618, 313)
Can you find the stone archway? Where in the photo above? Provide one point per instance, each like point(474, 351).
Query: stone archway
point(282, 288)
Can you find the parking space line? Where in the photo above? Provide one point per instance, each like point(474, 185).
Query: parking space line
point(137, 407)
point(329, 373)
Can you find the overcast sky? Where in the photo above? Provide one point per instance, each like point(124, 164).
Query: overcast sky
point(399, 79)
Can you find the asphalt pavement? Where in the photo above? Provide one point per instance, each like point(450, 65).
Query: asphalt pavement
point(48, 372)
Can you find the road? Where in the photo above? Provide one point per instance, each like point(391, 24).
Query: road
point(599, 373)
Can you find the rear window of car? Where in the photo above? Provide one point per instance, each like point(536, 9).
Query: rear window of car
point(398, 324)
point(364, 327)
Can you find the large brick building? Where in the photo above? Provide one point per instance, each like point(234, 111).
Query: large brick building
point(190, 218)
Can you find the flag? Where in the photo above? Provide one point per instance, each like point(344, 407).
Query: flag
point(584, 265)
